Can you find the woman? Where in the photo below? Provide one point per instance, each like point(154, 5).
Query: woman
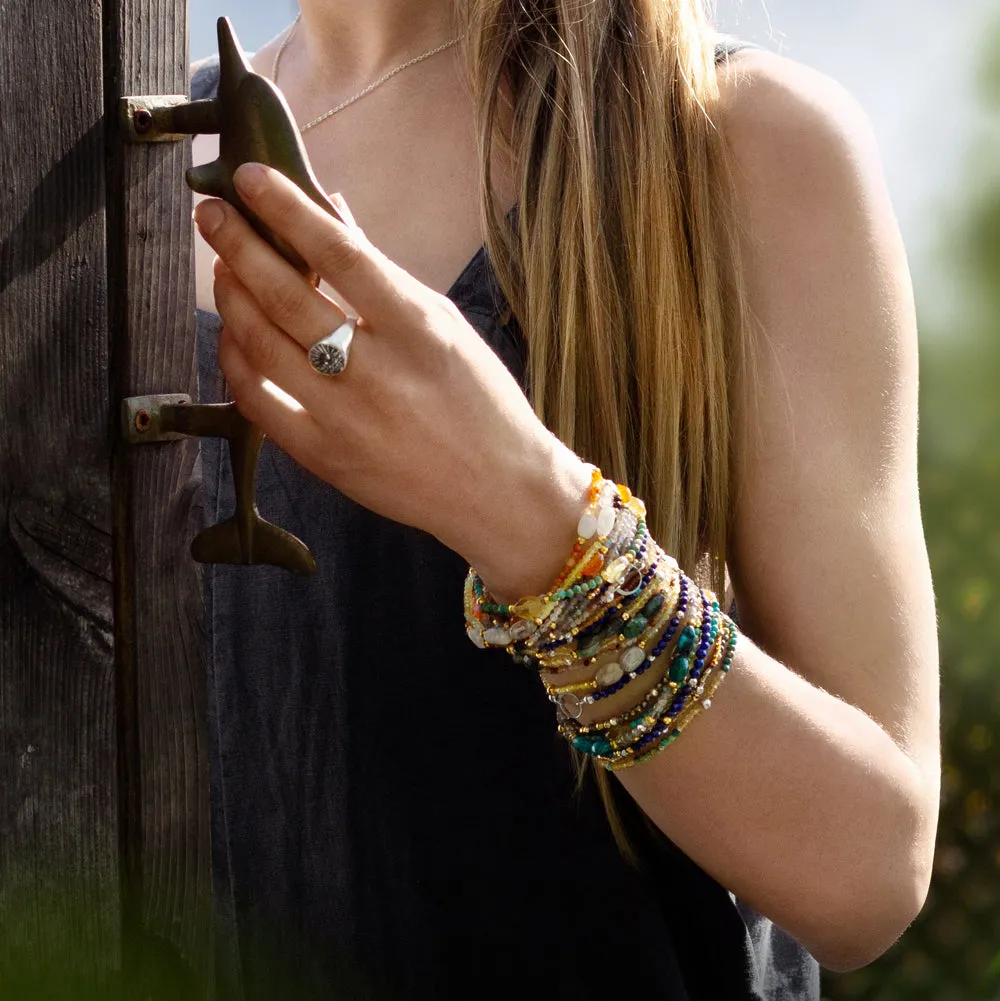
point(695, 275)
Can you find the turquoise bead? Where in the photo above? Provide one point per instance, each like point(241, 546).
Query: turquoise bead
point(591, 745)
point(685, 642)
point(679, 669)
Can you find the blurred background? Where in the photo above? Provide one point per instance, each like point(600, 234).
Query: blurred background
point(928, 75)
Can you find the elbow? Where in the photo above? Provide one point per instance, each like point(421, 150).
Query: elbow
point(868, 912)
point(868, 930)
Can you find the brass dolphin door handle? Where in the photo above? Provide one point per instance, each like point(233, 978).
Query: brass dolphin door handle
point(254, 124)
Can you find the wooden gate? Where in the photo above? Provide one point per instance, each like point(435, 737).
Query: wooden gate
point(105, 884)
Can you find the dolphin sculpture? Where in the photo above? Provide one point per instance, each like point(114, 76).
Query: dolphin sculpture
point(254, 124)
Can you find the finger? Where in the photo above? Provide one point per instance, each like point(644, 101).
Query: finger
point(286, 297)
point(345, 211)
point(279, 416)
point(378, 289)
point(268, 349)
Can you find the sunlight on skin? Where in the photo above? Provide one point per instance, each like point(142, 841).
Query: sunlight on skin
point(281, 396)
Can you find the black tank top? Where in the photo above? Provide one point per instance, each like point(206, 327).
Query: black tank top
point(376, 832)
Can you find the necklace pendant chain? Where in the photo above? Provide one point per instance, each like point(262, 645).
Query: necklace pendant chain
point(361, 93)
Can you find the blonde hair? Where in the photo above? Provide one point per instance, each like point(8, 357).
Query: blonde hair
point(621, 266)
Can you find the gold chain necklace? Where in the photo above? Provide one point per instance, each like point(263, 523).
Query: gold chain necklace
point(357, 97)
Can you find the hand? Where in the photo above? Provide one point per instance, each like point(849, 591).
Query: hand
point(425, 425)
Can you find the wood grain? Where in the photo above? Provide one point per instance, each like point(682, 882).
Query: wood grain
point(167, 851)
point(59, 877)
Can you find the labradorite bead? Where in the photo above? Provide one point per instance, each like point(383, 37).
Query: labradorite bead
point(590, 647)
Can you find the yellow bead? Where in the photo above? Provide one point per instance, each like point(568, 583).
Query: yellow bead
point(531, 607)
point(615, 570)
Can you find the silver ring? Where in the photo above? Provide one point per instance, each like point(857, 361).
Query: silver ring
point(329, 356)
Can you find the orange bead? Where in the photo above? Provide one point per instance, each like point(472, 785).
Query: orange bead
point(593, 566)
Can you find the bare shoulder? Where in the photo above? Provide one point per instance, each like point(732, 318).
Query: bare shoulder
point(787, 120)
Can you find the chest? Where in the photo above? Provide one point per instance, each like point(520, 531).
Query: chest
point(410, 175)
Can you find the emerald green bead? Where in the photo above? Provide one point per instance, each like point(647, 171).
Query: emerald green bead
point(635, 627)
point(679, 669)
point(685, 642)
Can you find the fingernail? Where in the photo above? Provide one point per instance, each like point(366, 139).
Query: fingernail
point(249, 178)
point(209, 216)
point(345, 210)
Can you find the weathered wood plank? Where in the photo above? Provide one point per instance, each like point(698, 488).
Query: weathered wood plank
point(156, 310)
point(59, 889)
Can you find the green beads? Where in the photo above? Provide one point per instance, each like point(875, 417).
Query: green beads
point(635, 627)
point(679, 668)
point(592, 745)
point(653, 607)
point(686, 640)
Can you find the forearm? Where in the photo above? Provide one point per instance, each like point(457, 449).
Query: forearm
point(800, 804)
point(794, 799)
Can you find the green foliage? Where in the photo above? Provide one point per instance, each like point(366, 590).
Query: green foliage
point(953, 949)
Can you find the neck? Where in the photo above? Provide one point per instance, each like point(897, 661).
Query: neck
point(345, 39)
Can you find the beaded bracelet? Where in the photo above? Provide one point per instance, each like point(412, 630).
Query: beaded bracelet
point(615, 592)
point(633, 663)
point(674, 699)
point(620, 745)
point(679, 715)
point(663, 683)
point(681, 724)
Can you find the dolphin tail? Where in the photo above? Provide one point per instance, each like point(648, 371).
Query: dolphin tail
point(266, 544)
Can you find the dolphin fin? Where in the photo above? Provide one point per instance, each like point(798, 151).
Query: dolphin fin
point(206, 178)
point(268, 544)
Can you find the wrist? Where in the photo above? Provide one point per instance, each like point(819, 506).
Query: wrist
point(521, 544)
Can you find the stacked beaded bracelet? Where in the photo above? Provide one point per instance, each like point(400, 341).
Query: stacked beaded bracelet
point(617, 592)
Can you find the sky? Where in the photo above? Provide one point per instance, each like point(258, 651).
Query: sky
point(909, 63)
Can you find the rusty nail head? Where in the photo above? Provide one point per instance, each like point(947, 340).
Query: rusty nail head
point(142, 421)
point(142, 119)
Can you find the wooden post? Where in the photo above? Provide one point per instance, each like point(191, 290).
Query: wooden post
point(104, 828)
point(161, 671)
point(58, 805)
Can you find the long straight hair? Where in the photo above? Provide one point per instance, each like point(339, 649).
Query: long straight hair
point(621, 264)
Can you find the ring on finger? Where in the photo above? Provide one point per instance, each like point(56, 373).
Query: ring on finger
point(329, 355)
